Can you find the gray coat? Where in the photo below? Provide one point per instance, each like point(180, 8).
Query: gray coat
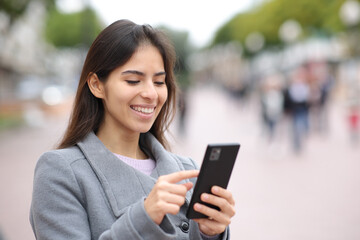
point(85, 192)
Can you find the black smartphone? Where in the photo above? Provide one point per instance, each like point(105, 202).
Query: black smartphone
point(216, 170)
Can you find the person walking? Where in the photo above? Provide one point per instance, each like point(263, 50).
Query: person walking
point(112, 175)
point(298, 94)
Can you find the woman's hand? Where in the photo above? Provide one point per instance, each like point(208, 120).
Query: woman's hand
point(167, 196)
point(218, 220)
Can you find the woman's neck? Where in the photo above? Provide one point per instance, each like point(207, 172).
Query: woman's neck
point(121, 143)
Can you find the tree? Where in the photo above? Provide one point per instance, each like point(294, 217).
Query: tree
point(72, 29)
point(320, 17)
point(15, 8)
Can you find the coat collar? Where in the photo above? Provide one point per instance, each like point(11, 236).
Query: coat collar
point(123, 185)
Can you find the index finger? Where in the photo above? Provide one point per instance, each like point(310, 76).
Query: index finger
point(178, 176)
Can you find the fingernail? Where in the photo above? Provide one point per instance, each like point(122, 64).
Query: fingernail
point(205, 196)
point(215, 189)
point(197, 206)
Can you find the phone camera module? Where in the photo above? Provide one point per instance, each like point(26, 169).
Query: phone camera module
point(215, 154)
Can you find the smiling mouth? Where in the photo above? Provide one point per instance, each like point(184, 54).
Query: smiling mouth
point(143, 109)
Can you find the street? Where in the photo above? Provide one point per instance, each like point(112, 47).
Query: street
point(279, 195)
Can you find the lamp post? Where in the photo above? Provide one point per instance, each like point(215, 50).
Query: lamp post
point(254, 42)
point(289, 33)
point(350, 16)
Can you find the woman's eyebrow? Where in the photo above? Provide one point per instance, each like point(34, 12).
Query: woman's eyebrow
point(133, 72)
point(160, 74)
point(141, 73)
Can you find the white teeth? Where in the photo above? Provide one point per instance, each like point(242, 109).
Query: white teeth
point(143, 110)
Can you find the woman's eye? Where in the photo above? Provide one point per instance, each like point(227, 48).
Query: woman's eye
point(159, 83)
point(132, 82)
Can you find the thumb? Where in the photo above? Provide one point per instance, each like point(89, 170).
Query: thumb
point(188, 185)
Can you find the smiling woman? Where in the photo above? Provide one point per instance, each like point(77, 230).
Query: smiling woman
point(111, 176)
point(133, 95)
point(116, 54)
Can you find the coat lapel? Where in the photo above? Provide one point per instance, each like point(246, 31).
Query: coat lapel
point(166, 162)
point(116, 177)
point(123, 185)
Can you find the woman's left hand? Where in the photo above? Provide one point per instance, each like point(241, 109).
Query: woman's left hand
point(218, 220)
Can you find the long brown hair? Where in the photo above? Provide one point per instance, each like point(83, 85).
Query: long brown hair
point(112, 48)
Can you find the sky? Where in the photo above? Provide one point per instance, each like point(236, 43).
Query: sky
point(201, 18)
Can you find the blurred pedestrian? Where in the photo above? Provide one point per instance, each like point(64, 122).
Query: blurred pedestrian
point(354, 124)
point(272, 102)
point(298, 94)
point(111, 176)
point(353, 113)
point(183, 110)
point(321, 80)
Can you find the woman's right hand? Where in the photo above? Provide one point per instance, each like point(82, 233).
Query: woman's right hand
point(167, 196)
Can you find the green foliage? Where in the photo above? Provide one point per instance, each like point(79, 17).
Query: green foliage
point(72, 29)
point(320, 17)
point(15, 8)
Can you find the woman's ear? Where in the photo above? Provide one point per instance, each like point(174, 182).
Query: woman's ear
point(95, 85)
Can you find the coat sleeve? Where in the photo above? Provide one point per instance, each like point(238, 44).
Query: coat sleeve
point(58, 209)
point(124, 228)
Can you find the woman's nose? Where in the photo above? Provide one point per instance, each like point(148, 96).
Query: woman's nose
point(149, 91)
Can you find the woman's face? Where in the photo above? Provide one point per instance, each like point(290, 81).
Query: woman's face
point(135, 92)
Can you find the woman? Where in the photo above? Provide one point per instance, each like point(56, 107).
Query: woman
point(111, 177)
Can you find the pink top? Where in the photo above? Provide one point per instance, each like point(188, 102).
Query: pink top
point(146, 165)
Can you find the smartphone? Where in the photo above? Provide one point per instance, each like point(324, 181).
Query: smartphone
point(216, 168)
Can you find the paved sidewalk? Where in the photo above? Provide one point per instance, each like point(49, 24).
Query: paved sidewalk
point(19, 150)
point(279, 196)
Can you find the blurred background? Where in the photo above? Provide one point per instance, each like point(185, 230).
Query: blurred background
point(280, 77)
